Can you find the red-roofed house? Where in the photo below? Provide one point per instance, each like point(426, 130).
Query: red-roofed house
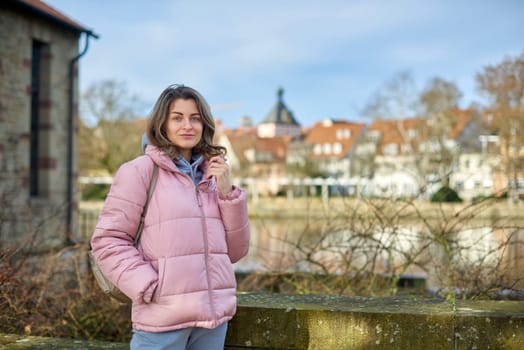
point(256, 157)
point(331, 144)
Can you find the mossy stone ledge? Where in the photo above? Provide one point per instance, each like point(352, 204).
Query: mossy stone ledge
point(278, 322)
point(268, 321)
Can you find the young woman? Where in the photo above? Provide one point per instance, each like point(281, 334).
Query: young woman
point(180, 277)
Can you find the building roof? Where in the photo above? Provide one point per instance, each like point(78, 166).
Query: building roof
point(245, 139)
point(391, 130)
point(280, 114)
point(414, 130)
point(332, 132)
point(240, 141)
point(51, 14)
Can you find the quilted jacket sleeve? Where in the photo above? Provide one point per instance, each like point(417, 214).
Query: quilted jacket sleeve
point(233, 209)
point(112, 241)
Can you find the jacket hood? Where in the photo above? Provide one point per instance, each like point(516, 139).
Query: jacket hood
point(160, 158)
point(163, 161)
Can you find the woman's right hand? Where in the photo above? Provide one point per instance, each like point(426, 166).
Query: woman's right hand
point(218, 167)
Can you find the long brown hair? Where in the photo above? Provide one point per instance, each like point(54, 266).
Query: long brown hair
point(156, 123)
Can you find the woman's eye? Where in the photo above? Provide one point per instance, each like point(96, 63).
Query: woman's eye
point(195, 119)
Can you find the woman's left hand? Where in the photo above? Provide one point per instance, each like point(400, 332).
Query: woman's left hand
point(218, 167)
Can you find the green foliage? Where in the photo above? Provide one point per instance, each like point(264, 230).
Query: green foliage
point(446, 194)
point(95, 192)
point(503, 195)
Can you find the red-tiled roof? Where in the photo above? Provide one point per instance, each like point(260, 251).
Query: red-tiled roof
point(331, 132)
point(461, 118)
point(243, 139)
point(276, 146)
point(414, 130)
point(41, 8)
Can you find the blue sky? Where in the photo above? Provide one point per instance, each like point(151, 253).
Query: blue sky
point(329, 56)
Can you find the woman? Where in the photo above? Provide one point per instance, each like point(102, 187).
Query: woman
point(180, 277)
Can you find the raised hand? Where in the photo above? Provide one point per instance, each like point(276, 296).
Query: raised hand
point(218, 167)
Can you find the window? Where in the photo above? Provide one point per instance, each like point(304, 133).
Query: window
point(317, 149)
point(406, 148)
point(487, 183)
point(343, 134)
point(40, 161)
point(327, 148)
point(373, 135)
point(390, 149)
point(337, 148)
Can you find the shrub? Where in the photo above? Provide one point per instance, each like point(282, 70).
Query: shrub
point(446, 194)
point(95, 192)
point(38, 298)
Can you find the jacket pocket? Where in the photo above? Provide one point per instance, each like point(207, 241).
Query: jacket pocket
point(161, 277)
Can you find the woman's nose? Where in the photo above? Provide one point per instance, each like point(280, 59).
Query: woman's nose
point(187, 124)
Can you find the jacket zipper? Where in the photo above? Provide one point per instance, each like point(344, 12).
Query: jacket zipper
point(206, 252)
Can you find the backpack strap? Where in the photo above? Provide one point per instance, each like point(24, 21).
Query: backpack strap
point(152, 185)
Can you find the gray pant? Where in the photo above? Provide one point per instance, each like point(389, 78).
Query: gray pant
point(182, 339)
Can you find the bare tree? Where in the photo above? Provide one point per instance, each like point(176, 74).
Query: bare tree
point(109, 100)
point(503, 85)
point(439, 102)
point(440, 96)
point(115, 136)
point(397, 98)
point(91, 149)
point(395, 101)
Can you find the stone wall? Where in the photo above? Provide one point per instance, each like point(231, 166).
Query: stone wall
point(278, 322)
point(332, 322)
point(18, 31)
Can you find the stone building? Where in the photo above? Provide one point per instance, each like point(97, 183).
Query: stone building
point(39, 54)
point(280, 121)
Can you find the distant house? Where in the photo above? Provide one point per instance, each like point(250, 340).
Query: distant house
point(251, 156)
point(474, 174)
point(385, 156)
point(39, 51)
point(509, 176)
point(331, 144)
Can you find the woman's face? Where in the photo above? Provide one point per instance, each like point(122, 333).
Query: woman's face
point(184, 126)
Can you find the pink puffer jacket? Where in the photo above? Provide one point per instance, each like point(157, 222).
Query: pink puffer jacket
point(181, 275)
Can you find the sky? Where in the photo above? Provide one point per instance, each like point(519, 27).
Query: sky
point(330, 56)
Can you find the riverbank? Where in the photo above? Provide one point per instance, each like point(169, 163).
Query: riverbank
point(314, 207)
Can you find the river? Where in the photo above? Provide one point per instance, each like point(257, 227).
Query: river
point(464, 244)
